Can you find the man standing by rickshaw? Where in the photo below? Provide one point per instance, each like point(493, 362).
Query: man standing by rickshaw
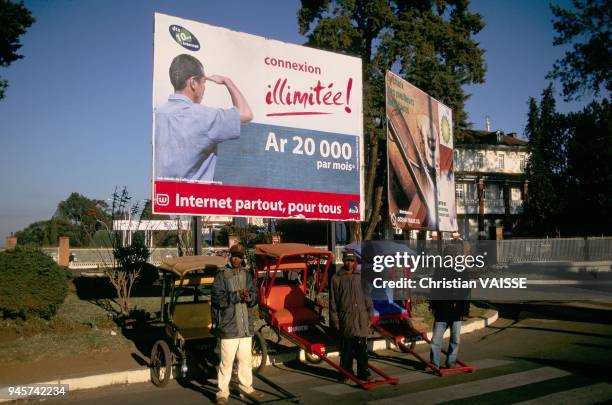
point(350, 312)
point(233, 296)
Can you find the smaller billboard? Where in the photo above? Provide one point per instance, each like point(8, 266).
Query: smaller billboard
point(421, 184)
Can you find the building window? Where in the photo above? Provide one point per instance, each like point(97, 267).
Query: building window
point(472, 191)
point(459, 191)
point(523, 162)
point(479, 160)
point(500, 161)
point(493, 191)
point(500, 137)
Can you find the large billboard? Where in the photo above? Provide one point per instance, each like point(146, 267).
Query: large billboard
point(247, 126)
point(421, 188)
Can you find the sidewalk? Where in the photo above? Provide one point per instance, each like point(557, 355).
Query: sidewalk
point(129, 366)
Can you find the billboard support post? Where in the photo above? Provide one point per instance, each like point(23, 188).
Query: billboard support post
point(331, 236)
point(196, 228)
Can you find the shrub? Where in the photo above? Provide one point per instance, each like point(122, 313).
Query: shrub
point(132, 258)
point(129, 261)
point(31, 284)
point(148, 275)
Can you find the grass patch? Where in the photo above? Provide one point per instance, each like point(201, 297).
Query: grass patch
point(152, 305)
point(58, 344)
point(78, 327)
point(81, 311)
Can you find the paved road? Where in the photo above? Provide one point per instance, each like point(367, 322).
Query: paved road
point(535, 353)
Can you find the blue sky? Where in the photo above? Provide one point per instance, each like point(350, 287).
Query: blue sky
point(77, 116)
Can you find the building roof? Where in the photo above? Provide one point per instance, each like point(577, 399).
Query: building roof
point(479, 137)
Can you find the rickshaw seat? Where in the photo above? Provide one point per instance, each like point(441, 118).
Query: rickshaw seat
point(285, 296)
point(193, 320)
point(289, 306)
point(387, 308)
point(296, 316)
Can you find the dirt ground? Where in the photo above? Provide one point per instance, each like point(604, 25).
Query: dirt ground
point(50, 368)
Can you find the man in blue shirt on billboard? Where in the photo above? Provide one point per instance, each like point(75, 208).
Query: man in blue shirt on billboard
point(186, 132)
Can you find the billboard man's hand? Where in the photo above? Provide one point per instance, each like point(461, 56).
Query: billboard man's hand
point(238, 99)
point(217, 79)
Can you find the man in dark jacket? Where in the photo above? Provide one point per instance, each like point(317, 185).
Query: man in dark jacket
point(233, 296)
point(350, 312)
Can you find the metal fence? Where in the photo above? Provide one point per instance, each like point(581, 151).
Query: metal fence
point(554, 250)
point(507, 251)
point(98, 258)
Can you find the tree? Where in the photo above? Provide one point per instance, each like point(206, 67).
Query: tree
point(33, 235)
point(589, 170)
point(47, 233)
point(84, 213)
point(249, 235)
point(127, 260)
point(429, 42)
point(147, 212)
point(15, 19)
point(77, 217)
point(569, 171)
point(129, 263)
point(546, 167)
point(587, 65)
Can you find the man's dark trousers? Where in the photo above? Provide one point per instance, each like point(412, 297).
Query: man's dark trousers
point(352, 347)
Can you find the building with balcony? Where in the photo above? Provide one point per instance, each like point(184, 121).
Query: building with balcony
point(490, 184)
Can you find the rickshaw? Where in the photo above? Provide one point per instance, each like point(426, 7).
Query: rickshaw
point(294, 276)
point(393, 323)
point(392, 318)
point(186, 315)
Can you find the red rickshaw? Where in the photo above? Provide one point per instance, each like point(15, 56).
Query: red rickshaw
point(293, 278)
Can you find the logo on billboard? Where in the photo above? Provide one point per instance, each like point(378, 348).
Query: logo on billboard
point(353, 207)
point(446, 133)
point(162, 199)
point(393, 220)
point(184, 38)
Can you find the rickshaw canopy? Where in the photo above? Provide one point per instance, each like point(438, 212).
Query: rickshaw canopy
point(182, 266)
point(282, 250)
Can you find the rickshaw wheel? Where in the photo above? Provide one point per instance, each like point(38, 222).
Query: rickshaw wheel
point(259, 351)
point(311, 358)
point(161, 364)
point(277, 337)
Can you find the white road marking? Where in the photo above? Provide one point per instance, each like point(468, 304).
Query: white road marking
point(591, 394)
point(412, 376)
point(469, 389)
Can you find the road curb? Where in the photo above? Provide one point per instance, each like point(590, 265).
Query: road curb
point(143, 374)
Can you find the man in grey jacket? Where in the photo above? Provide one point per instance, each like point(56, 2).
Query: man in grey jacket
point(350, 312)
point(233, 296)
